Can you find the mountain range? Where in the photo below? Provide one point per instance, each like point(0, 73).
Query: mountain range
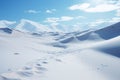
point(39, 53)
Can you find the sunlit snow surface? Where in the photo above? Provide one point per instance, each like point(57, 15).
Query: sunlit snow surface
point(51, 56)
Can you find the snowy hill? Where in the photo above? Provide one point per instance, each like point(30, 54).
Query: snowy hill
point(46, 55)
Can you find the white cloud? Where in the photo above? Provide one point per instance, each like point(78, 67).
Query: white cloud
point(97, 22)
point(96, 2)
point(80, 17)
point(52, 20)
point(5, 23)
point(87, 7)
point(55, 20)
point(105, 22)
point(32, 11)
point(80, 6)
point(50, 11)
point(102, 8)
point(66, 18)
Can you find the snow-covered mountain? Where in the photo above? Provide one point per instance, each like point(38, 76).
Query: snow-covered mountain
point(31, 26)
point(46, 55)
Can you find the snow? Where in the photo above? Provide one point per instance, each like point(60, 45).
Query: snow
point(28, 47)
point(83, 55)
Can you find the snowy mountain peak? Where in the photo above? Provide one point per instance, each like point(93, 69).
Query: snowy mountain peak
point(31, 26)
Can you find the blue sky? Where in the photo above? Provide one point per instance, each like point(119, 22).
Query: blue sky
point(77, 13)
point(15, 10)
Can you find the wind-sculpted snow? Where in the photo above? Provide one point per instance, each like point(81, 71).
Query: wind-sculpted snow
point(111, 46)
point(87, 55)
point(110, 31)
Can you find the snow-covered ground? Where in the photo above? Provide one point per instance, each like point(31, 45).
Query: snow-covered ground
point(50, 56)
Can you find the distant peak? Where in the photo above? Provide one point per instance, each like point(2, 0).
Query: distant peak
point(31, 26)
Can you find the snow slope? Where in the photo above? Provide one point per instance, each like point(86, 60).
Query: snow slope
point(110, 31)
point(26, 46)
point(87, 55)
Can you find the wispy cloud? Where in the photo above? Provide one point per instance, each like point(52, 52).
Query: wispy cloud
point(66, 18)
point(97, 22)
point(32, 11)
point(79, 6)
point(5, 23)
point(50, 11)
point(80, 17)
point(104, 21)
point(54, 19)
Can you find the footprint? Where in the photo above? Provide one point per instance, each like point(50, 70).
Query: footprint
point(98, 68)
point(9, 70)
point(7, 78)
point(16, 53)
point(41, 68)
point(44, 62)
point(104, 65)
point(27, 68)
point(25, 73)
point(38, 64)
point(58, 60)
